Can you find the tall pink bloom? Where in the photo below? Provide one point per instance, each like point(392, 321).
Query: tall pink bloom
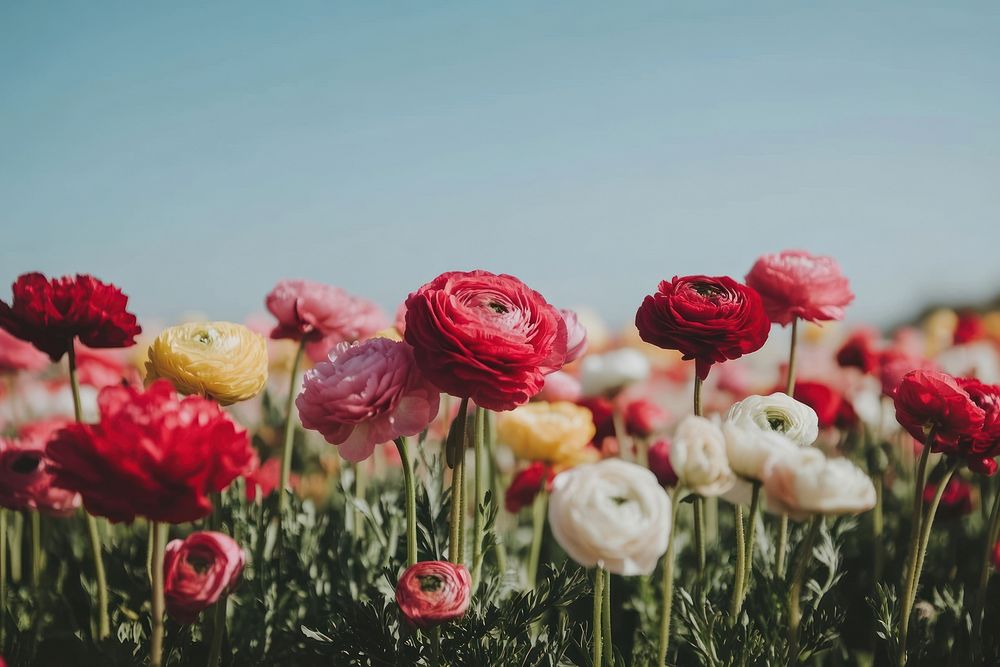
point(365, 394)
point(197, 571)
point(796, 284)
point(18, 355)
point(321, 315)
point(25, 482)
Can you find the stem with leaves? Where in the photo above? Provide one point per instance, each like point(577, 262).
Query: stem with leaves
point(288, 440)
point(667, 584)
point(915, 528)
point(795, 588)
point(456, 459)
point(740, 571)
point(411, 501)
point(992, 535)
point(478, 431)
point(598, 622)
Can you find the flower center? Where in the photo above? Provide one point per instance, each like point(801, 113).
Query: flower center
point(25, 465)
point(777, 422)
point(199, 562)
point(706, 289)
point(498, 307)
point(430, 583)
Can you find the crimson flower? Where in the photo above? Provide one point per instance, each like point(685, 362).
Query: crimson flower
point(956, 501)
point(197, 571)
point(658, 458)
point(433, 592)
point(526, 485)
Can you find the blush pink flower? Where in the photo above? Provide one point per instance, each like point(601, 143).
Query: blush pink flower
point(560, 386)
point(576, 335)
point(365, 394)
point(25, 482)
point(197, 571)
point(104, 368)
point(321, 315)
point(18, 355)
point(796, 284)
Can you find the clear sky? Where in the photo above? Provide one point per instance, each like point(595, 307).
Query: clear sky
point(194, 152)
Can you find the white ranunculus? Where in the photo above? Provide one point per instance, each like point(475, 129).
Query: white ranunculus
point(805, 482)
point(748, 447)
point(777, 413)
point(613, 514)
point(698, 457)
point(607, 373)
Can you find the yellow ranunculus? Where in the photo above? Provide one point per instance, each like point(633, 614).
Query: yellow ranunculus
point(558, 433)
point(220, 360)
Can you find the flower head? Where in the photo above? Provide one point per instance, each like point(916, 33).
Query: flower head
point(25, 480)
point(576, 335)
point(558, 433)
point(795, 284)
point(658, 459)
point(803, 482)
point(527, 484)
point(931, 402)
point(197, 571)
point(698, 457)
point(433, 592)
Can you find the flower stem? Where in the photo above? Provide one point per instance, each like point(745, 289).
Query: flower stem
point(751, 536)
point(497, 487)
point(878, 528)
point(925, 529)
point(779, 562)
point(538, 512)
point(479, 430)
point(411, 502)
point(740, 570)
point(667, 585)
point(992, 534)
point(795, 589)
point(790, 382)
point(598, 645)
point(218, 630)
point(103, 623)
point(781, 550)
point(158, 604)
point(3, 574)
point(915, 529)
point(36, 549)
point(288, 442)
point(360, 493)
point(698, 507)
point(436, 646)
point(606, 620)
point(697, 395)
point(456, 455)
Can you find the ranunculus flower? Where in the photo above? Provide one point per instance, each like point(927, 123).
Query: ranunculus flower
point(602, 412)
point(698, 457)
point(826, 402)
point(576, 335)
point(433, 592)
point(795, 284)
point(153, 454)
point(611, 514)
point(895, 363)
point(366, 393)
point(197, 571)
point(980, 449)
point(25, 481)
point(803, 482)
point(18, 355)
point(486, 337)
point(658, 459)
point(558, 433)
point(860, 351)
point(526, 485)
point(607, 374)
point(560, 386)
point(969, 328)
point(49, 314)
point(103, 368)
point(778, 413)
point(749, 447)
point(708, 319)
point(220, 360)
point(934, 402)
point(956, 501)
point(644, 417)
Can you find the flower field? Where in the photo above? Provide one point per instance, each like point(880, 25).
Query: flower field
point(737, 478)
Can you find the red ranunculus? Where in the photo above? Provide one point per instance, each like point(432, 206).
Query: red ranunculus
point(658, 458)
point(644, 417)
point(49, 314)
point(969, 328)
point(860, 351)
point(197, 571)
point(933, 402)
point(266, 478)
point(708, 319)
point(602, 411)
point(826, 401)
point(486, 337)
point(956, 501)
point(433, 592)
point(153, 454)
point(796, 284)
point(526, 485)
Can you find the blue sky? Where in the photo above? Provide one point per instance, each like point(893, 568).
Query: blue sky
point(194, 153)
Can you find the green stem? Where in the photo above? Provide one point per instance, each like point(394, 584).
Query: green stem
point(667, 584)
point(36, 549)
point(697, 395)
point(218, 630)
point(598, 645)
point(3, 574)
point(878, 528)
point(436, 646)
point(103, 623)
point(911, 568)
point(741, 567)
point(360, 493)
point(606, 620)
point(795, 589)
point(992, 532)
point(157, 600)
point(790, 382)
point(16, 535)
point(538, 513)
point(782, 548)
point(478, 491)
point(925, 529)
point(698, 507)
point(288, 441)
point(456, 446)
point(500, 548)
point(411, 502)
point(751, 536)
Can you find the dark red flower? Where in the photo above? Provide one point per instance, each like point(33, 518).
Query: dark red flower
point(644, 417)
point(933, 402)
point(827, 402)
point(969, 328)
point(708, 319)
point(197, 571)
point(658, 458)
point(486, 337)
point(153, 454)
point(433, 592)
point(956, 501)
point(526, 485)
point(49, 314)
point(267, 476)
point(860, 351)
point(602, 411)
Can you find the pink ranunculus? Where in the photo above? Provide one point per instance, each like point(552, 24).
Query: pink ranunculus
point(265, 479)
point(576, 335)
point(643, 417)
point(321, 315)
point(367, 393)
point(25, 482)
point(430, 593)
point(197, 571)
point(18, 355)
point(104, 368)
point(560, 386)
point(796, 284)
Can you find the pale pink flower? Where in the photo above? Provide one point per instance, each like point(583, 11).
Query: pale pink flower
point(560, 386)
point(18, 355)
point(576, 335)
point(25, 483)
point(795, 284)
point(365, 394)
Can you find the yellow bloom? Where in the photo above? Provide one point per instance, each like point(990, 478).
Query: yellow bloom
point(558, 433)
point(220, 360)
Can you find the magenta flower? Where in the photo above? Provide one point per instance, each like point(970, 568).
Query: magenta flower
point(365, 394)
point(197, 571)
point(795, 284)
